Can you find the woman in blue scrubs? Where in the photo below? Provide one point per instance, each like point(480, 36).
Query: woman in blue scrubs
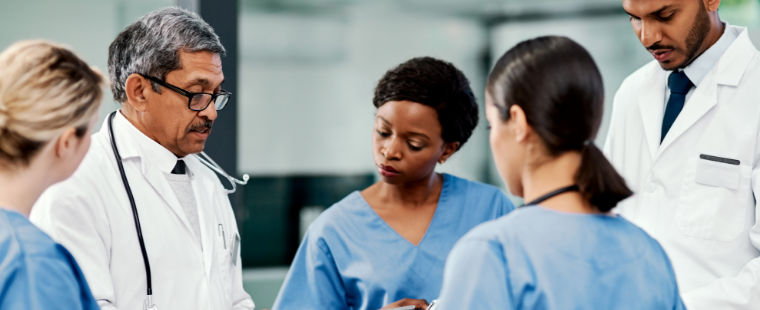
point(564, 249)
point(386, 245)
point(49, 101)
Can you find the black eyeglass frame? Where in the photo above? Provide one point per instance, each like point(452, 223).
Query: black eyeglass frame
point(190, 94)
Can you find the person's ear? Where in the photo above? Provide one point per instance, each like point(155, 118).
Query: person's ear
point(66, 143)
point(519, 123)
point(449, 148)
point(711, 5)
point(136, 88)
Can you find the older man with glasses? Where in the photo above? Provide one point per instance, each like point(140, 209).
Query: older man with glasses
point(150, 225)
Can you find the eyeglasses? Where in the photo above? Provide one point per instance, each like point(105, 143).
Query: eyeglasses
point(196, 101)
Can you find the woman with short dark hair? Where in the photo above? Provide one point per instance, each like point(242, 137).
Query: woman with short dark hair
point(564, 250)
point(386, 245)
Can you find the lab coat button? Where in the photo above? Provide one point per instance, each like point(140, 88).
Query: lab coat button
point(651, 187)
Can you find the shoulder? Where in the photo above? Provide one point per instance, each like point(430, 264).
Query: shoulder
point(90, 173)
point(635, 79)
point(631, 85)
point(469, 190)
point(343, 215)
point(508, 227)
point(483, 240)
point(30, 242)
point(636, 232)
point(505, 228)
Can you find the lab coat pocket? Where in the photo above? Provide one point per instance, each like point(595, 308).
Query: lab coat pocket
point(713, 198)
point(717, 171)
point(223, 257)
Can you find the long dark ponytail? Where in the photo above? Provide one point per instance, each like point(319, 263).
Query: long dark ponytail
point(556, 82)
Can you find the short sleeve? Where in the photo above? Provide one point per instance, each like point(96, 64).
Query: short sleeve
point(476, 277)
point(313, 281)
point(44, 283)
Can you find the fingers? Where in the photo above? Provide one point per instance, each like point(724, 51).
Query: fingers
point(417, 303)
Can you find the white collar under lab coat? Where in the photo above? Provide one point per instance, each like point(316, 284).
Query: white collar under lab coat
point(156, 160)
point(727, 72)
point(141, 146)
point(700, 67)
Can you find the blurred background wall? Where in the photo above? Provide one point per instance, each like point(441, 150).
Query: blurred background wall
point(306, 70)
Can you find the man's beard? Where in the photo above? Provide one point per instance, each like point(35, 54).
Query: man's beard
point(697, 35)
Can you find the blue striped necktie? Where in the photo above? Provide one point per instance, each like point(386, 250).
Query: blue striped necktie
point(679, 85)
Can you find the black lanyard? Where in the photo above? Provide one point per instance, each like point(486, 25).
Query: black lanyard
point(571, 188)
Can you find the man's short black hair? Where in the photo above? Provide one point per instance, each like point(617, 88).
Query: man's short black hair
point(437, 84)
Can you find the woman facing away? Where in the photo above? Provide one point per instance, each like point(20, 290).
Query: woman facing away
point(49, 101)
point(564, 249)
point(387, 245)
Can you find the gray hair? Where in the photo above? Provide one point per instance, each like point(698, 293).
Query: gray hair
point(151, 46)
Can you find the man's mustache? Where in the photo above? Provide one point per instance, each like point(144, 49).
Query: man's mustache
point(201, 126)
point(658, 46)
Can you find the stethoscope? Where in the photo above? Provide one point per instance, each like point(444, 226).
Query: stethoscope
point(205, 160)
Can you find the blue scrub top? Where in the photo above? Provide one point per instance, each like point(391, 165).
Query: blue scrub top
point(351, 259)
point(537, 258)
point(35, 272)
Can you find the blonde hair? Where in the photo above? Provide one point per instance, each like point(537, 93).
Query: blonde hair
point(44, 90)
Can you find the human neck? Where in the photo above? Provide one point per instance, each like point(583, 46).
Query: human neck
point(552, 175)
point(415, 193)
point(22, 188)
point(136, 119)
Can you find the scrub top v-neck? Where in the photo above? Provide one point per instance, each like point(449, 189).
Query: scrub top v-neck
point(441, 197)
point(351, 258)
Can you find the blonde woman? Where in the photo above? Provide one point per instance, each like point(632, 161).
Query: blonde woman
point(49, 99)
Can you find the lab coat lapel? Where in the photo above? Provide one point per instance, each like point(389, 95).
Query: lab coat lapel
point(651, 106)
point(727, 72)
point(704, 98)
point(129, 147)
point(203, 187)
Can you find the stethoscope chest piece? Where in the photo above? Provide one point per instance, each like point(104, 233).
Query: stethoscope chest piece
point(148, 304)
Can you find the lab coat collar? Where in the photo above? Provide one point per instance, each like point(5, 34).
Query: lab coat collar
point(736, 59)
point(697, 70)
point(133, 143)
point(728, 71)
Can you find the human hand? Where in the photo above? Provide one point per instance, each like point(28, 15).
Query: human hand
point(417, 303)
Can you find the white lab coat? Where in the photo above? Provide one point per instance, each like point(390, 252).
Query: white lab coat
point(703, 212)
point(91, 216)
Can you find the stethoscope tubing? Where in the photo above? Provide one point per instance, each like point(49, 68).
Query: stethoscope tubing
point(132, 203)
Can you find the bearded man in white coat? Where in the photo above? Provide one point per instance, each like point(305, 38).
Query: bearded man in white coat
point(166, 72)
point(684, 134)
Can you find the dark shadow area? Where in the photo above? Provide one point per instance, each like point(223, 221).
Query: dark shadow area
point(269, 218)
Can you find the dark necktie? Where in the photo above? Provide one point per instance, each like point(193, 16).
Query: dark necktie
point(679, 85)
point(179, 168)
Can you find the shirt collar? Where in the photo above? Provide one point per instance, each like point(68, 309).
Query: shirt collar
point(146, 148)
point(700, 67)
